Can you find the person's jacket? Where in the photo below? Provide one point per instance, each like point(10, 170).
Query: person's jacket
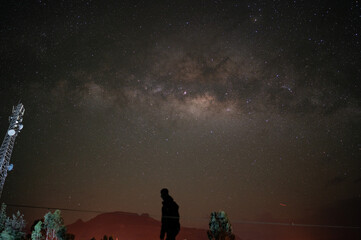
point(170, 217)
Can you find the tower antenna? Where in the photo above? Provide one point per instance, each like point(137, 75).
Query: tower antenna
point(7, 146)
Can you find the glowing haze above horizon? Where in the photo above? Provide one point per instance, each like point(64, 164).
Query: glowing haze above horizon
point(252, 107)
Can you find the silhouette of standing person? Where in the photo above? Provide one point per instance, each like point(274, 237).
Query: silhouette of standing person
point(170, 216)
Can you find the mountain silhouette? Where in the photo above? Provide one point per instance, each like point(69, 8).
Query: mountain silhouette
point(124, 225)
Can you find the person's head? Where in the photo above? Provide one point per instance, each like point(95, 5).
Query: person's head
point(164, 193)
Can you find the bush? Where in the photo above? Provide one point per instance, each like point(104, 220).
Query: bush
point(219, 227)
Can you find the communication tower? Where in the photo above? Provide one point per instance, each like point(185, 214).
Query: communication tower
point(6, 149)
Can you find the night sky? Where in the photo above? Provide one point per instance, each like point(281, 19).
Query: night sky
point(252, 107)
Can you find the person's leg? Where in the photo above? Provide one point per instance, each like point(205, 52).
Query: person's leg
point(170, 236)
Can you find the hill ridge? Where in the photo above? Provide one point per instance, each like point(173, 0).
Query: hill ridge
point(126, 225)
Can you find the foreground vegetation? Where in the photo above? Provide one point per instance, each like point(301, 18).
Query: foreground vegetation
point(50, 228)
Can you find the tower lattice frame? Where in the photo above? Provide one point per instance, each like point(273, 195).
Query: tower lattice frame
point(9, 140)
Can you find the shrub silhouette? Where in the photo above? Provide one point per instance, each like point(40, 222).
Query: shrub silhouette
point(219, 227)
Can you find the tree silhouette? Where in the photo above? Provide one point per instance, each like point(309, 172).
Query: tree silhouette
point(2, 217)
point(61, 233)
point(54, 225)
point(36, 234)
point(219, 227)
point(13, 228)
